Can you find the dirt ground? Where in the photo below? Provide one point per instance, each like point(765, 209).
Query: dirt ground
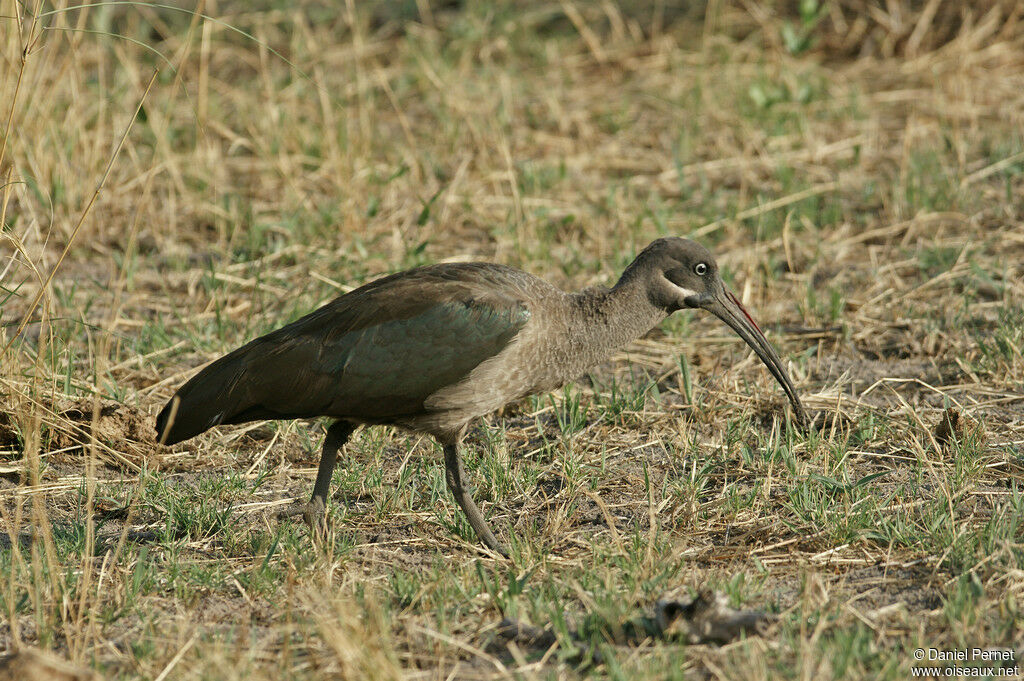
point(177, 183)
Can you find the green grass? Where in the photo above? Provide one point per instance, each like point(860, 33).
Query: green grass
point(862, 200)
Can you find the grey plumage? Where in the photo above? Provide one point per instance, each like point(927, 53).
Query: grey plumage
point(433, 348)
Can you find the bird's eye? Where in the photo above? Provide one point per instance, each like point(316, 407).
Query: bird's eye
point(700, 269)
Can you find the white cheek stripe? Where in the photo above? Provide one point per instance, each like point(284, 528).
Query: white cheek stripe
point(684, 292)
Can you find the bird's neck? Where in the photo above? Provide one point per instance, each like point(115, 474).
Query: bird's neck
point(607, 319)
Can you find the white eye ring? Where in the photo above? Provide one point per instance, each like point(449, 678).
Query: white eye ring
point(700, 269)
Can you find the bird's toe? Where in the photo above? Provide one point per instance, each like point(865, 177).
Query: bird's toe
point(312, 513)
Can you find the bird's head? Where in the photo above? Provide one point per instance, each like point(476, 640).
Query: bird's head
point(680, 273)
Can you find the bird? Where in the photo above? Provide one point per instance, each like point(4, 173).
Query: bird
point(434, 348)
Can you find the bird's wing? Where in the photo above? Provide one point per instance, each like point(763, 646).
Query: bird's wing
point(374, 354)
point(400, 348)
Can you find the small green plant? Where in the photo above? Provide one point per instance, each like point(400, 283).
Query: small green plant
point(685, 379)
point(571, 413)
point(797, 39)
point(620, 401)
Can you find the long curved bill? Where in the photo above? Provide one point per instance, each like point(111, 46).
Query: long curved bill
point(726, 307)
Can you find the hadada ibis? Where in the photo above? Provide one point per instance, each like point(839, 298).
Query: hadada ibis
point(435, 347)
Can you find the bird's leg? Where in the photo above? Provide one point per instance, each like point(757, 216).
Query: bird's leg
point(314, 512)
point(456, 477)
point(337, 436)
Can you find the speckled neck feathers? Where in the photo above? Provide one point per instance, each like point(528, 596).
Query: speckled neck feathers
point(605, 320)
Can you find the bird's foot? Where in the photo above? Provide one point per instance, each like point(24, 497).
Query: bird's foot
point(483, 530)
point(499, 548)
point(313, 514)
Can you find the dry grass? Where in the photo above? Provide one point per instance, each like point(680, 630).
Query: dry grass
point(175, 184)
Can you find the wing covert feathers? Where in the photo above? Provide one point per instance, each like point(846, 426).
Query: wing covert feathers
point(371, 355)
